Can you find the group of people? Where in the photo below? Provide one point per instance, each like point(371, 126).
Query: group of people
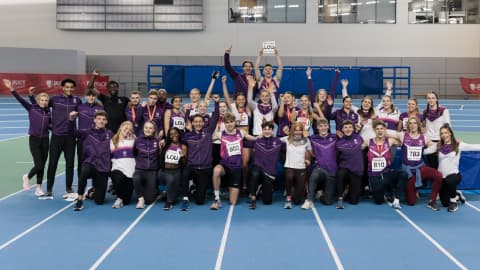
point(175, 151)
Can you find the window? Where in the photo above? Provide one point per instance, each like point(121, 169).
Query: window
point(444, 11)
point(356, 11)
point(266, 11)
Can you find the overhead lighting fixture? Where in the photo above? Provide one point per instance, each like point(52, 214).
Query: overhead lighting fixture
point(370, 2)
point(279, 6)
point(293, 6)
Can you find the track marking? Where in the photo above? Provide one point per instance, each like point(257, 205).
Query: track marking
point(332, 249)
point(221, 250)
point(22, 190)
point(14, 138)
point(473, 206)
point(9, 242)
point(435, 243)
point(121, 237)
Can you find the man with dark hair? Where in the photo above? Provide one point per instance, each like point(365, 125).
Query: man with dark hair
point(62, 137)
point(240, 80)
point(113, 104)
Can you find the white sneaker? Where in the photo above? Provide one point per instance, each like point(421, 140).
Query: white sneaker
point(39, 192)
point(396, 204)
point(118, 203)
point(307, 204)
point(288, 204)
point(71, 197)
point(140, 204)
point(26, 182)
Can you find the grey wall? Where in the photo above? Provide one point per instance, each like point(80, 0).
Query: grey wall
point(428, 73)
point(23, 60)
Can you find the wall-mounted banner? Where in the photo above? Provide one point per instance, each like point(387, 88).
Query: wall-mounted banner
point(50, 83)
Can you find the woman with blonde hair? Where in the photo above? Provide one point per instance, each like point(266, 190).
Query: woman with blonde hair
point(123, 163)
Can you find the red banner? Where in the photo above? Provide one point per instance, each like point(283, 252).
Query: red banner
point(50, 83)
point(470, 85)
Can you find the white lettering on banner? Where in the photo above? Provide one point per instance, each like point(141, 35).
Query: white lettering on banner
point(414, 153)
point(19, 83)
point(378, 164)
point(172, 156)
point(53, 83)
point(179, 122)
point(268, 47)
point(233, 148)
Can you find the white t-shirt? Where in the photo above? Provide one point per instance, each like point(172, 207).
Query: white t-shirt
point(295, 157)
point(124, 164)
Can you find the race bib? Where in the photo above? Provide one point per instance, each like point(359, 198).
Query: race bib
point(172, 157)
point(414, 153)
point(233, 148)
point(179, 122)
point(193, 112)
point(378, 164)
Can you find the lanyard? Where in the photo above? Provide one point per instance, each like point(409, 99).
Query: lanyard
point(134, 114)
point(151, 114)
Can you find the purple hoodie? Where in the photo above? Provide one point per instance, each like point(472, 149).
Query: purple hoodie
point(39, 118)
point(350, 154)
point(324, 150)
point(146, 153)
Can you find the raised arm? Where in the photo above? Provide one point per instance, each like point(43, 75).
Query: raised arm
point(166, 121)
point(9, 86)
point(91, 82)
point(344, 83)
point(281, 107)
point(228, 66)
point(256, 67)
point(278, 75)
point(251, 85)
point(212, 124)
point(226, 95)
point(208, 94)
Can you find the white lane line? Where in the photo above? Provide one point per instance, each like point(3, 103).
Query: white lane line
point(332, 249)
point(435, 243)
point(121, 237)
point(221, 250)
point(20, 191)
point(473, 206)
point(14, 138)
point(9, 242)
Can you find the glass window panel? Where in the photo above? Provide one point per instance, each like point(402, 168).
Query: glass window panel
point(443, 11)
point(356, 11)
point(266, 11)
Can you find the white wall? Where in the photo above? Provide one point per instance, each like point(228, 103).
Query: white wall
point(33, 25)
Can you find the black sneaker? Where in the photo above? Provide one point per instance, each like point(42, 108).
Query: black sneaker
point(46, 196)
point(452, 207)
point(461, 198)
point(167, 206)
point(253, 204)
point(78, 205)
point(433, 205)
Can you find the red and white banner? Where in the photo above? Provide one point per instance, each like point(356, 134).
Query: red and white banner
point(50, 83)
point(470, 85)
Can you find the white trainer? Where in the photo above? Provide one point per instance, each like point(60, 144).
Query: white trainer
point(307, 204)
point(26, 182)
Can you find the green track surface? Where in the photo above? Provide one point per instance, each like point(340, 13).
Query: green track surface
point(15, 161)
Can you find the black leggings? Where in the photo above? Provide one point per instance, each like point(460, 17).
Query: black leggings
point(355, 182)
point(321, 177)
point(99, 181)
point(298, 178)
point(39, 151)
point(171, 178)
point(145, 184)
point(201, 178)
point(123, 186)
point(257, 177)
point(449, 188)
point(59, 144)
